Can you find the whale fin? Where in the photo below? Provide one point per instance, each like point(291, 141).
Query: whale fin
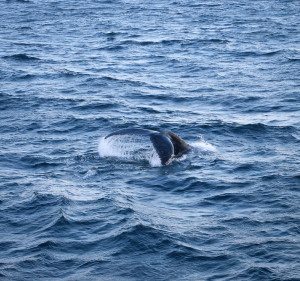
point(180, 146)
point(163, 146)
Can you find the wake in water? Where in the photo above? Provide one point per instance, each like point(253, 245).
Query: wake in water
point(140, 148)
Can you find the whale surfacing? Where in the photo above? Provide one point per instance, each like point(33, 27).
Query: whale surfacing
point(167, 145)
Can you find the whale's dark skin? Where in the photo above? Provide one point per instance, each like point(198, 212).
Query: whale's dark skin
point(167, 144)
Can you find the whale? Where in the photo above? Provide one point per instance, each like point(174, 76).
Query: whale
point(167, 144)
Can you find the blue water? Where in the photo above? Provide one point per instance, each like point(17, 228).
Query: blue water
point(224, 75)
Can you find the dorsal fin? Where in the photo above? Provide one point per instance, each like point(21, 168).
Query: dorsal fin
point(163, 146)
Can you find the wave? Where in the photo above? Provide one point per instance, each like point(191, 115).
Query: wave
point(115, 48)
point(65, 72)
point(171, 42)
point(166, 42)
point(296, 60)
point(37, 161)
point(231, 198)
point(19, 1)
point(24, 77)
point(43, 199)
point(151, 239)
point(106, 80)
point(256, 53)
point(249, 129)
point(203, 146)
point(257, 273)
point(94, 106)
point(193, 255)
point(21, 57)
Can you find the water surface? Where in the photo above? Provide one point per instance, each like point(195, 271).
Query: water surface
point(224, 75)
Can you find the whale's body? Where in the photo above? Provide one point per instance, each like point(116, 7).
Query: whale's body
point(167, 144)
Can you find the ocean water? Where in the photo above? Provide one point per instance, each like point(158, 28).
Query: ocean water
point(224, 75)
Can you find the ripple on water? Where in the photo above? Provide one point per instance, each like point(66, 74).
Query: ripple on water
point(222, 76)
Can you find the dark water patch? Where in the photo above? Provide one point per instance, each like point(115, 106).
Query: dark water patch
point(138, 238)
point(34, 126)
point(245, 167)
point(42, 246)
point(25, 28)
point(116, 48)
point(291, 99)
point(255, 54)
point(95, 106)
point(24, 77)
point(247, 222)
point(293, 60)
point(125, 211)
point(39, 101)
point(69, 124)
point(192, 185)
point(176, 42)
point(265, 109)
point(258, 272)
point(67, 73)
point(129, 82)
point(38, 200)
point(21, 57)
point(92, 263)
point(243, 104)
point(21, 1)
point(114, 34)
point(32, 44)
point(253, 130)
point(164, 42)
point(270, 177)
point(149, 110)
point(37, 161)
point(205, 41)
point(196, 5)
point(165, 98)
point(192, 257)
point(280, 204)
point(297, 177)
point(279, 178)
point(7, 245)
point(8, 102)
point(250, 128)
point(232, 198)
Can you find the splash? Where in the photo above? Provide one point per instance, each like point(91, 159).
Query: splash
point(203, 146)
point(140, 148)
point(129, 147)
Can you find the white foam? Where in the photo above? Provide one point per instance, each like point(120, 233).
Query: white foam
point(154, 160)
point(90, 173)
point(204, 146)
point(129, 147)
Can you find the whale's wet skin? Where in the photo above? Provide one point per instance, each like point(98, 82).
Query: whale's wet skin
point(222, 75)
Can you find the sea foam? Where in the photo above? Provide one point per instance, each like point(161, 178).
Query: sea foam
point(129, 147)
